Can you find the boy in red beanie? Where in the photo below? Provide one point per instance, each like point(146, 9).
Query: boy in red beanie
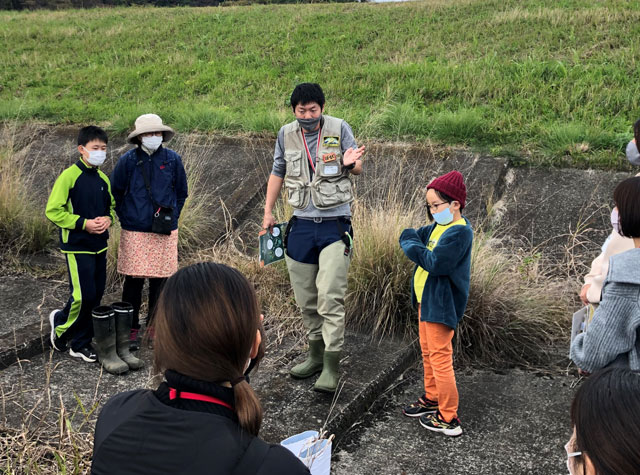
point(440, 288)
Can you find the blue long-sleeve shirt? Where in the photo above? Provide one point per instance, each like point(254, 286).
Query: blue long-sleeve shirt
point(446, 290)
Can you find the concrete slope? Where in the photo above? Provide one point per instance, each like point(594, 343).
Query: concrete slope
point(514, 423)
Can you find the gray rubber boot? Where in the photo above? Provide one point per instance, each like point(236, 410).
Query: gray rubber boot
point(328, 380)
point(313, 364)
point(104, 330)
point(124, 314)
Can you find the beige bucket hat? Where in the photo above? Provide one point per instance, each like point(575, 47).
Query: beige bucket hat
point(151, 123)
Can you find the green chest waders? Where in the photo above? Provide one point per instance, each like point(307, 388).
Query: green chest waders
point(319, 291)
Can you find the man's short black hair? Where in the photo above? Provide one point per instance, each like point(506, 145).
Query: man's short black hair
point(91, 132)
point(626, 197)
point(306, 93)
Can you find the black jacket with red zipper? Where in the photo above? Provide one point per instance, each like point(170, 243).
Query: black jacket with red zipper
point(146, 432)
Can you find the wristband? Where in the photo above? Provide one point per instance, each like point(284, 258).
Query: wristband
point(350, 167)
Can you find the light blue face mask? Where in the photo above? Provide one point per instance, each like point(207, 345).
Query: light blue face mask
point(444, 217)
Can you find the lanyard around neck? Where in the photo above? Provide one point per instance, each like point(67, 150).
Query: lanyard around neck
point(175, 394)
point(306, 147)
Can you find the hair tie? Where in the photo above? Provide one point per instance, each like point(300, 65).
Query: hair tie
point(238, 380)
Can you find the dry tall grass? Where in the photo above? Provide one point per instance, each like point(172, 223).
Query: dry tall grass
point(52, 438)
point(380, 274)
point(515, 313)
point(23, 226)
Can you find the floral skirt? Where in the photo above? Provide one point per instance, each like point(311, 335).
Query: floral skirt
point(148, 254)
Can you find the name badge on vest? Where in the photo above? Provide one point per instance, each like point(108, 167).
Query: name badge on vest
point(331, 141)
point(330, 164)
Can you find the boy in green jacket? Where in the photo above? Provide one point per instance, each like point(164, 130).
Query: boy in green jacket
point(82, 206)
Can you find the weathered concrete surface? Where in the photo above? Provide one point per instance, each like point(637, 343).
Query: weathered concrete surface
point(290, 406)
point(25, 304)
point(368, 368)
point(557, 208)
point(402, 171)
point(515, 422)
point(25, 300)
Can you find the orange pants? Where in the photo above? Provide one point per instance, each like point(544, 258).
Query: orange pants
point(437, 359)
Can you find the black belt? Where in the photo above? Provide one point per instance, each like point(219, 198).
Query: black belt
point(319, 219)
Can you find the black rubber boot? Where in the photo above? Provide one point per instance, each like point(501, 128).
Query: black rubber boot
point(124, 313)
point(313, 364)
point(104, 330)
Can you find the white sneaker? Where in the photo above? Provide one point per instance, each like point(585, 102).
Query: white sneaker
point(57, 343)
point(86, 353)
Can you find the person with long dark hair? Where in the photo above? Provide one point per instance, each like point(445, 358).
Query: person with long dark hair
point(605, 416)
point(611, 339)
point(205, 417)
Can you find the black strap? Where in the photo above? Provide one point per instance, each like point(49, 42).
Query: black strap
point(146, 180)
point(288, 230)
point(344, 235)
point(252, 458)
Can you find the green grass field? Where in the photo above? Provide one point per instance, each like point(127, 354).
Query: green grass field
point(541, 81)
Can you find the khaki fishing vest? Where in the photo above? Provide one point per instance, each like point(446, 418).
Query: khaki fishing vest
point(331, 184)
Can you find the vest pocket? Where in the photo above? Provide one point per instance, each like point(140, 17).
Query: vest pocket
point(294, 162)
point(296, 196)
point(333, 193)
point(330, 168)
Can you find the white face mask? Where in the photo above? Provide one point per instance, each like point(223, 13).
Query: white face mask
point(96, 157)
point(571, 460)
point(153, 142)
point(615, 220)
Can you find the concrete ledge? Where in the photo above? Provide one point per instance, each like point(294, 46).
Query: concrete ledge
point(369, 393)
point(23, 343)
point(368, 367)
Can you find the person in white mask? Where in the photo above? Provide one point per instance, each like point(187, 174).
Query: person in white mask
point(591, 291)
point(82, 206)
point(605, 417)
point(150, 188)
point(614, 244)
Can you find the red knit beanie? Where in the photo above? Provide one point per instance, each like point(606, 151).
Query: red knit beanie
point(452, 184)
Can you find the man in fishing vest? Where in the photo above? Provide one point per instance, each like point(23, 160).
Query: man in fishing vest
point(314, 157)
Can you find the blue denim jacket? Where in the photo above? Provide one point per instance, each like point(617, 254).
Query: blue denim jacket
point(168, 183)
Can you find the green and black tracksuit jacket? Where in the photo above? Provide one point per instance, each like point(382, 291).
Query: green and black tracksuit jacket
point(80, 193)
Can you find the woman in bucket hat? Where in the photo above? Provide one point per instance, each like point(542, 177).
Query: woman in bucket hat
point(149, 185)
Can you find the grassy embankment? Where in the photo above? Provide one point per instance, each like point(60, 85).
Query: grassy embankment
point(541, 81)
